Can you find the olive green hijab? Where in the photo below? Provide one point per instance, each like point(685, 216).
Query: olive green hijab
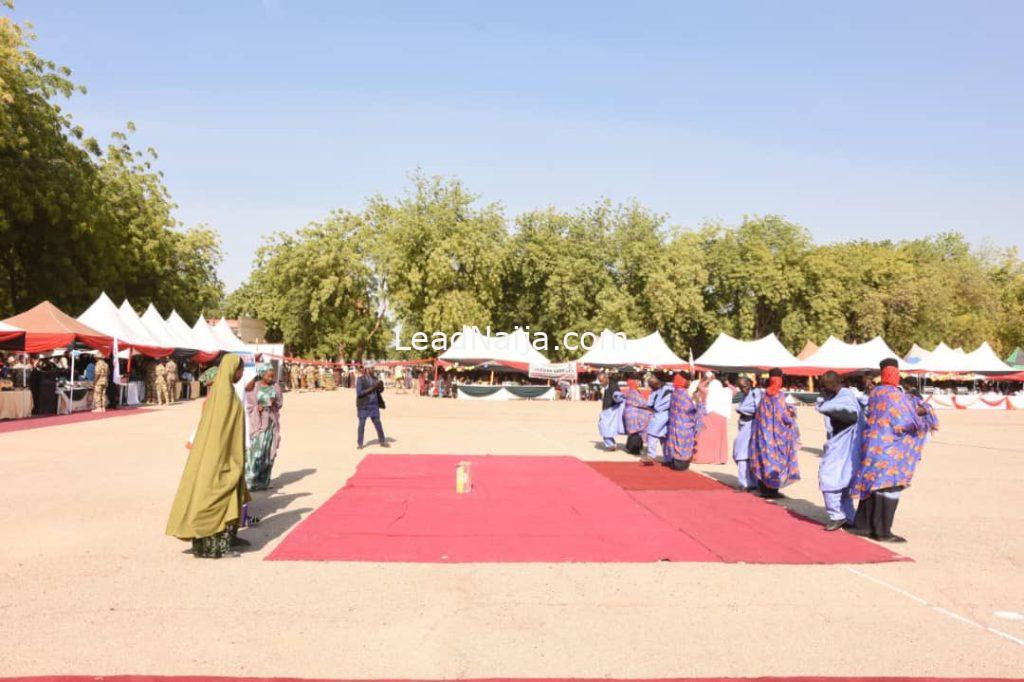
point(212, 488)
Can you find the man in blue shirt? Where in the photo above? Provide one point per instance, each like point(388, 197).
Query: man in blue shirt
point(369, 403)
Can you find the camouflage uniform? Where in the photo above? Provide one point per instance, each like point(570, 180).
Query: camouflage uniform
point(161, 385)
point(310, 378)
point(150, 381)
point(99, 386)
point(172, 380)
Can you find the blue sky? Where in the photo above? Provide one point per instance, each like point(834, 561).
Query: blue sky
point(868, 119)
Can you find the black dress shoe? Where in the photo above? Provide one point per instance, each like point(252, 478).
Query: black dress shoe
point(834, 525)
point(680, 464)
point(891, 538)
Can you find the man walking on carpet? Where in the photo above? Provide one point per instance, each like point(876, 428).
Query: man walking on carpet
point(369, 403)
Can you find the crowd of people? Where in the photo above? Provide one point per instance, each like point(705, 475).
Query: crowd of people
point(874, 437)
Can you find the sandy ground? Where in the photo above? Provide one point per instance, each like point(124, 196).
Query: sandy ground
point(90, 585)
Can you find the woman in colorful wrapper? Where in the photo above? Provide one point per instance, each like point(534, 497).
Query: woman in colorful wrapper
point(263, 401)
point(208, 504)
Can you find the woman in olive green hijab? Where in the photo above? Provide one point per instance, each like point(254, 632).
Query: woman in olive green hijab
point(212, 491)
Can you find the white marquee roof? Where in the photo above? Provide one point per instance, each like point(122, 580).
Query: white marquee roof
point(229, 342)
point(472, 347)
point(615, 350)
point(104, 316)
point(849, 357)
point(729, 354)
point(203, 334)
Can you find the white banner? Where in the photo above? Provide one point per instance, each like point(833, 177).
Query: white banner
point(556, 371)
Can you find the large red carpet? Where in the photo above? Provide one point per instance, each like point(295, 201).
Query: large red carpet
point(9, 425)
point(197, 678)
point(632, 476)
point(550, 509)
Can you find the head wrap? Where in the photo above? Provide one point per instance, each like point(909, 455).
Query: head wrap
point(680, 381)
point(264, 367)
point(891, 375)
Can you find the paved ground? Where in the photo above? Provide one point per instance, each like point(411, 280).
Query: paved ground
point(89, 584)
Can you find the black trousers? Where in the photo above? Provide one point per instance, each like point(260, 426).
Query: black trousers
point(376, 424)
point(876, 512)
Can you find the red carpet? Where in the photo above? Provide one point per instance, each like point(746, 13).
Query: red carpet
point(544, 509)
point(739, 527)
point(550, 509)
point(634, 476)
point(161, 678)
point(10, 425)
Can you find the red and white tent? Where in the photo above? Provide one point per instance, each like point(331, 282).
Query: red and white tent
point(9, 332)
point(46, 328)
point(104, 316)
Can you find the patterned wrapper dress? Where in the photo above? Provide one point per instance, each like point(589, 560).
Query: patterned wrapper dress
point(684, 422)
point(635, 415)
point(263, 405)
point(774, 441)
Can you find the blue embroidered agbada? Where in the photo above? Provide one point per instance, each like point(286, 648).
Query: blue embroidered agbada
point(658, 403)
point(892, 440)
point(774, 441)
point(842, 447)
point(684, 421)
point(746, 409)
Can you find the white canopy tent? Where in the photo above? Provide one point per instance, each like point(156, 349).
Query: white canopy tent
point(158, 328)
point(134, 323)
point(984, 360)
point(183, 334)
point(840, 356)
point(732, 355)
point(615, 350)
point(104, 316)
point(229, 342)
point(203, 333)
point(470, 347)
point(915, 355)
point(943, 360)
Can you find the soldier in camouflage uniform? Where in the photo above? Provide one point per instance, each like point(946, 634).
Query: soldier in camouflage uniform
point(310, 378)
point(99, 385)
point(172, 380)
point(150, 374)
point(161, 384)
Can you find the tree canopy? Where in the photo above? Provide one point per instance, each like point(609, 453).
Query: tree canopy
point(437, 258)
point(78, 217)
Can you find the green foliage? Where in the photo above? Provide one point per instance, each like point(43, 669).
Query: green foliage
point(438, 260)
point(75, 218)
point(318, 290)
